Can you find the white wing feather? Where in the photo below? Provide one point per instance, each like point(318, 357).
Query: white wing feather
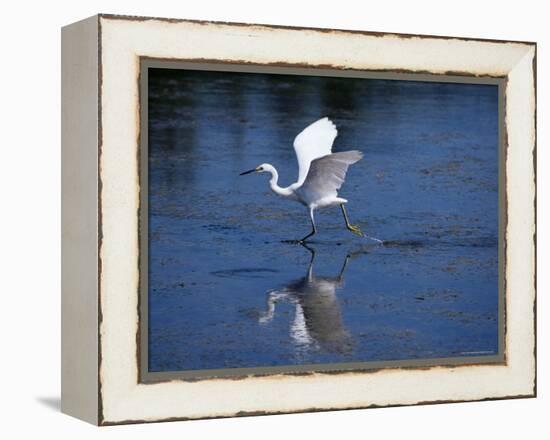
point(327, 174)
point(313, 141)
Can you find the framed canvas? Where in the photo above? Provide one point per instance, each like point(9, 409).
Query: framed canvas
point(262, 219)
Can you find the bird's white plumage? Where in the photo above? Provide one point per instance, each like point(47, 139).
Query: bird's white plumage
point(313, 141)
point(321, 172)
point(327, 174)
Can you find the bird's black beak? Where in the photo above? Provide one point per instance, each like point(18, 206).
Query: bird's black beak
point(248, 172)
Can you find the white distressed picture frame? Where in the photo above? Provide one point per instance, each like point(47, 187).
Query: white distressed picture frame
point(101, 202)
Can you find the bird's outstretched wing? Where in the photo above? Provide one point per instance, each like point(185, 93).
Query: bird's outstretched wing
point(327, 174)
point(313, 141)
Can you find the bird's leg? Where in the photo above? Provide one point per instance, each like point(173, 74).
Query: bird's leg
point(352, 228)
point(314, 229)
point(341, 274)
point(310, 267)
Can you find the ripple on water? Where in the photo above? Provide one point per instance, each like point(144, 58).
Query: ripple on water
point(251, 272)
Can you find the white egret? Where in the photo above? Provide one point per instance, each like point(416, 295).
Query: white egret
point(321, 172)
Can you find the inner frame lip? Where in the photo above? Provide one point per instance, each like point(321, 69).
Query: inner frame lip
point(360, 367)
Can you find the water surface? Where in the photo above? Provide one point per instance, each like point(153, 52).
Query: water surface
point(226, 292)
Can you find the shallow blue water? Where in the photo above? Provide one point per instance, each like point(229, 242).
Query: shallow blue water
point(224, 291)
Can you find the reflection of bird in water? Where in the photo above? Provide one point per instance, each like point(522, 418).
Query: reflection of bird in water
point(318, 319)
point(321, 172)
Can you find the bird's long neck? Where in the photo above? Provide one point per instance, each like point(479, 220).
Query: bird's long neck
point(273, 183)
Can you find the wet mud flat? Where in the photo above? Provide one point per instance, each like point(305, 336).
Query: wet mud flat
point(226, 292)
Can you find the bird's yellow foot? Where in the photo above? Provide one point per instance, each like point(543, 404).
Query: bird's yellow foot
point(356, 230)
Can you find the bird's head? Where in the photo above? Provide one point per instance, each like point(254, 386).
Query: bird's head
point(265, 167)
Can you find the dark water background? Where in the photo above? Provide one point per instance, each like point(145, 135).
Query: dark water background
point(428, 184)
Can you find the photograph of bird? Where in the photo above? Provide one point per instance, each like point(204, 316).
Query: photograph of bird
point(321, 173)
